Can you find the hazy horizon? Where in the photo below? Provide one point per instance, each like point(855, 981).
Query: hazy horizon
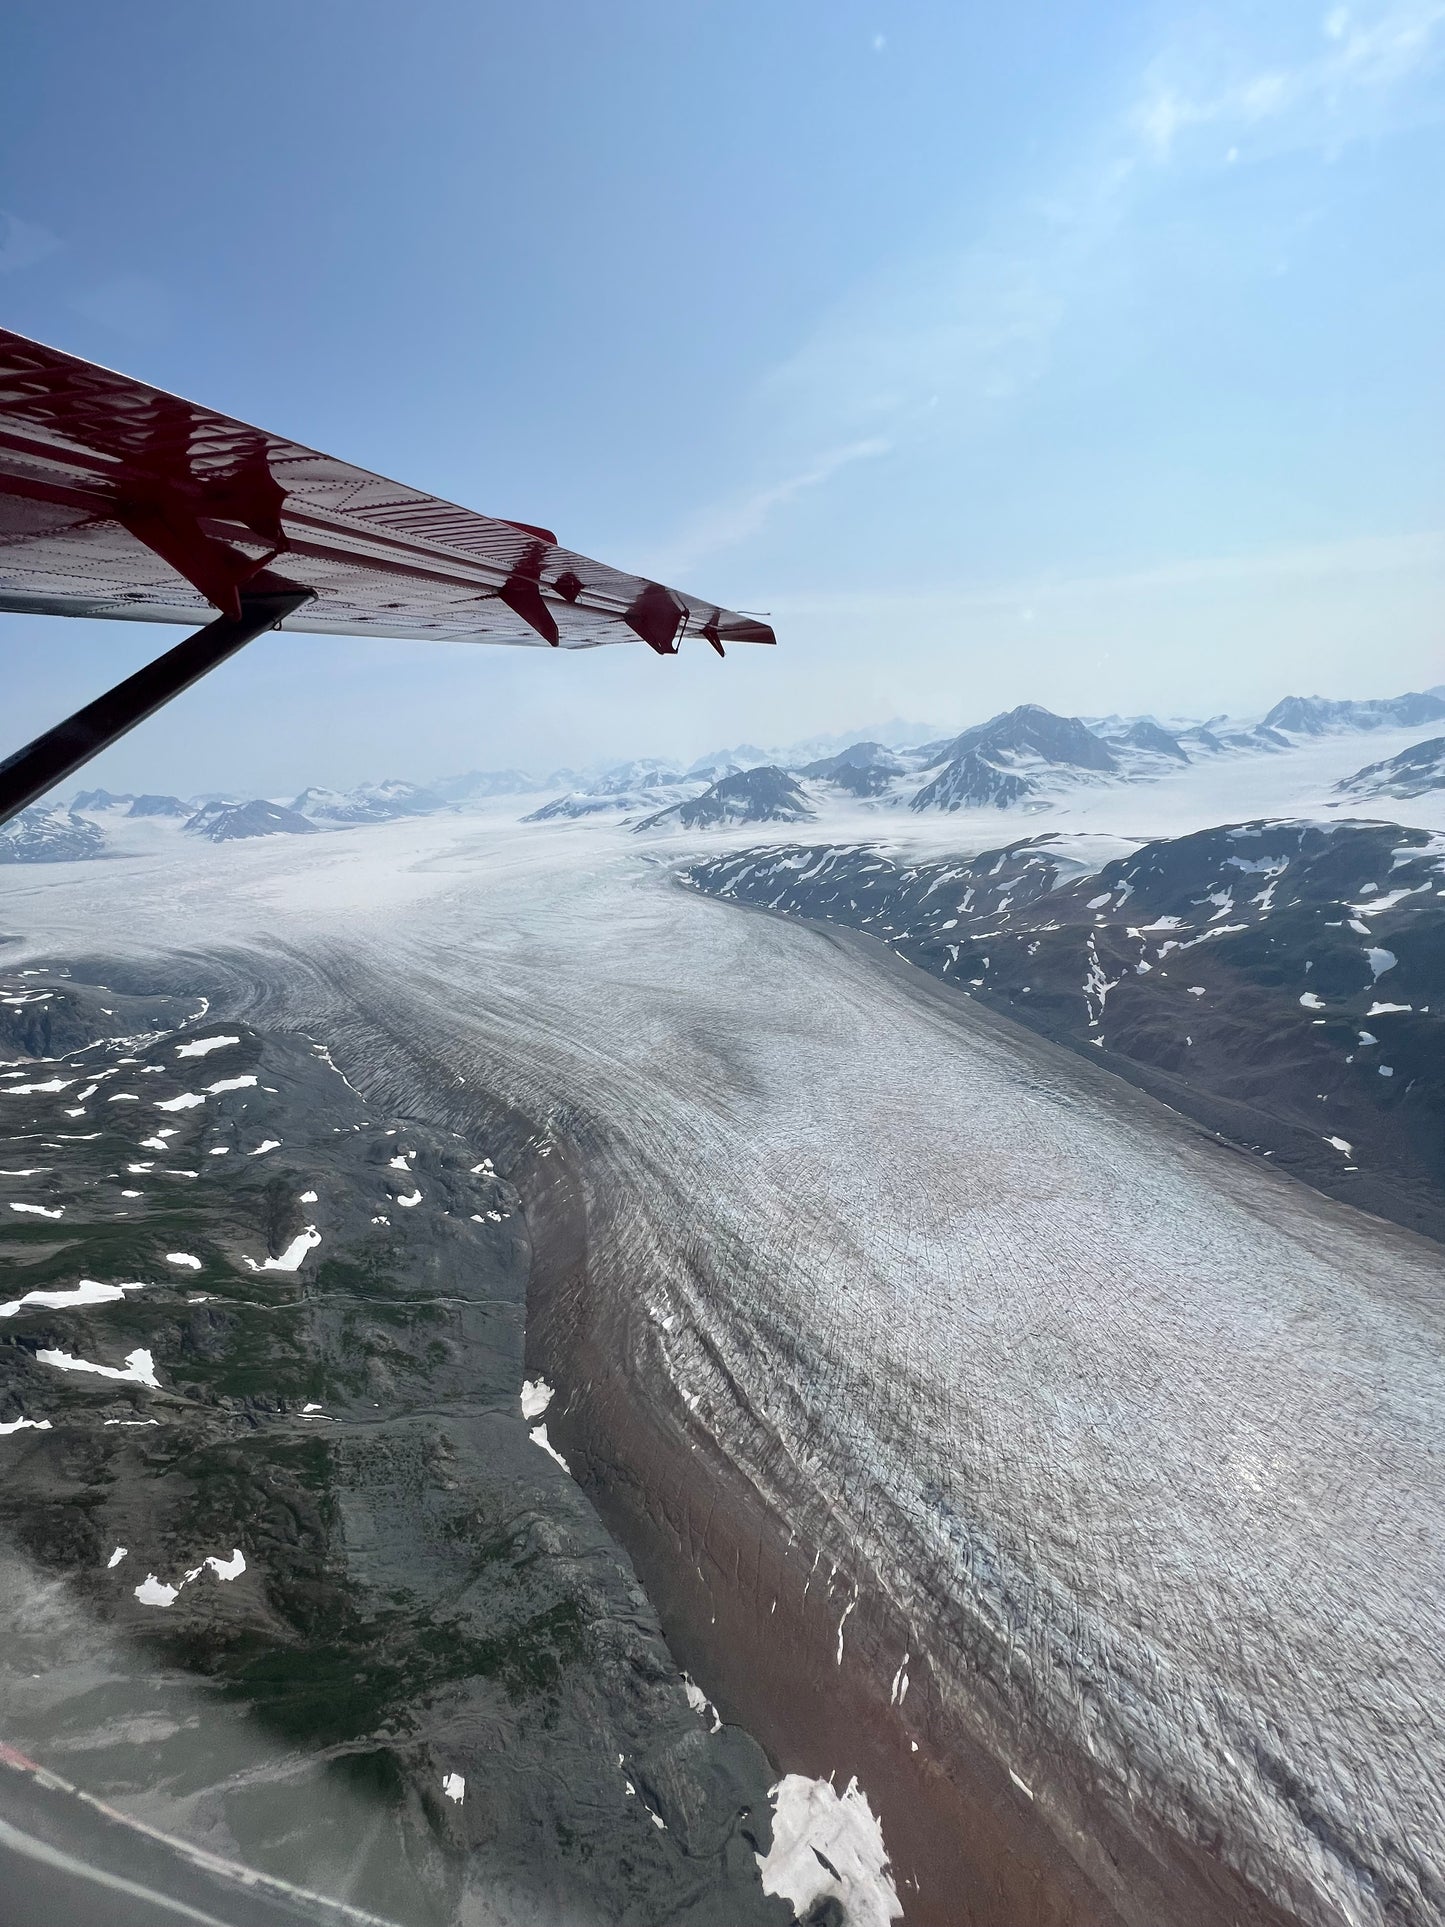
point(131, 766)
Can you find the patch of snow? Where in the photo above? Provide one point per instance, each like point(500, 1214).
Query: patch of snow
point(538, 1436)
point(812, 1824)
point(183, 1258)
point(24, 1425)
point(407, 1202)
point(87, 1292)
point(139, 1367)
point(308, 1197)
point(39, 1210)
point(187, 1101)
point(698, 1700)
point(116, 1557)
point(203, 1046)
point(155, 1592)
point(291, 1257)
point(842, 1623)
point(1312, 1002)
point(266, 1144)
point(227, 1569)
point(1380, 960)
point(537, 1395)
point(454, 1786)
point(230, 1084)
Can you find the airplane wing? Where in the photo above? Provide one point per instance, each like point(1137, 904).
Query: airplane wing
point(120, 500)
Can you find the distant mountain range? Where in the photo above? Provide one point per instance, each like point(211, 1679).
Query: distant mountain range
point(1025, 759)
point(369, 803)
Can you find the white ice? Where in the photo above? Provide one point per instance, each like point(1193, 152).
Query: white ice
point(291, 1257)
point(139, 1367)
point(810, 1818)
point(536, 1397)
point(87, 1292)
point(203, 1046)
point(538, 1436)
point(155, 1592)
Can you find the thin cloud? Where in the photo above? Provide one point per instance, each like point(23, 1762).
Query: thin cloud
point(22, 243)
point(725, 524)
point(946, 336)
point(1335, 90)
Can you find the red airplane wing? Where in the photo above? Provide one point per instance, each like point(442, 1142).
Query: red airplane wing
point(120, 500)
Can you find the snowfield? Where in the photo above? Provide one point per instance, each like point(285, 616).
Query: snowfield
point(1125, 1424)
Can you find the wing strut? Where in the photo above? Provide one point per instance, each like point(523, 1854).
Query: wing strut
point(31, 771)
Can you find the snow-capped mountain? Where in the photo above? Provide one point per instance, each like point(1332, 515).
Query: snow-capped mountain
point(728, 762)
point(863, 769)
point(1413, 772)
point(575, 805)
point(159, 806)
point(226, 822)
point(622, 791)
point(92, 802)
point(1142, 735)
point(1315, 715)
point(637, 778)
point(367, 803)
point(49, 834)
point(1011, 758)
point(473, 785)
point(764, 795)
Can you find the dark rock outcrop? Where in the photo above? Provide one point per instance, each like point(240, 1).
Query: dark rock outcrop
point(1414, 772)
point(225, 822)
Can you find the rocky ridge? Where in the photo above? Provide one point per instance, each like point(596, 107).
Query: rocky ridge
point(1282, 981)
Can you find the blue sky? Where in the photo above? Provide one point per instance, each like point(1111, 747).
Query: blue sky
point(1088, 354)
